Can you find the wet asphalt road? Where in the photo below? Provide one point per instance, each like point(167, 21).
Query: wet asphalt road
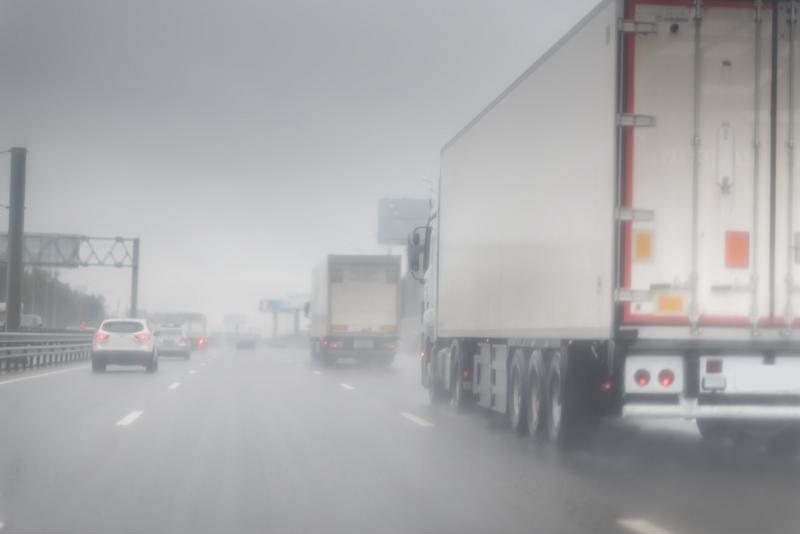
point(264, 441)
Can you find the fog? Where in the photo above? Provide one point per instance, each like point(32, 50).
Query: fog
point(242, 140)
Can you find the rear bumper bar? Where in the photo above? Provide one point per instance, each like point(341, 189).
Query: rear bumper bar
point(695, 411)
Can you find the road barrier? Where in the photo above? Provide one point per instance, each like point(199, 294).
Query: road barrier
point(19, 351)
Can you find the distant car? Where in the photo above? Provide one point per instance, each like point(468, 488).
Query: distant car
point(246, 343)
point(173, 341)
point(31, 322)
point(124, 342)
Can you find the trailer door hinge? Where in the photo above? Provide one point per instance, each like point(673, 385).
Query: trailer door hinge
point(622, 294)
point(632, 214)
point(632, 119)
point(637, 26)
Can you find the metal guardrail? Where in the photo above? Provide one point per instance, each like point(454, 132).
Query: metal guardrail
point(20, 351)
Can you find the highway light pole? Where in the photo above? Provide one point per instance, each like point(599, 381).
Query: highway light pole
point(135, 279)
point(16, 230)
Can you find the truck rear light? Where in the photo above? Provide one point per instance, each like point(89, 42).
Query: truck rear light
point(465, 375)
point(642, 377)
point(666, 378)
point(713, 366)
point(142, 338)
point(101, 336)
point(335, 344)
point(201, 342)
point(325, 341)
point(607, 386)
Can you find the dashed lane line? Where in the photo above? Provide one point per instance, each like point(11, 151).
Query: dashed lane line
point(130, 418)
point(417, 420)
point(641, 526)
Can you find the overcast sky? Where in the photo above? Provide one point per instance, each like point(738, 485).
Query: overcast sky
point(244, 140)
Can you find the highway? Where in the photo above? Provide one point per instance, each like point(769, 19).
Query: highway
point(264, 441)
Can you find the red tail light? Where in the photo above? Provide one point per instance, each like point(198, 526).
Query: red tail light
point(666, 378)
point(465, 374)
point(142, 338)
point(713, 366)
point(101, 336)
point(642, 377)
point(607, 386)
point(202, 341)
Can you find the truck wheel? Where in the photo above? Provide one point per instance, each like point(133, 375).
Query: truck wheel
point(565, 422)
point(536, 394)
point(436, 392)
point(152, 367)
point(386, 361)
point(517, 394)
point(458, 398)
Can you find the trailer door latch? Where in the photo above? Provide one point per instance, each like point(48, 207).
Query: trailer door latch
point(631, 214)
point(637, 26)
point(632, 119)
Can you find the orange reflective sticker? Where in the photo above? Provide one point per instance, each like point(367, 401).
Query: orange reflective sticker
point(737, 250)
point(643, 246)
point(670, 303)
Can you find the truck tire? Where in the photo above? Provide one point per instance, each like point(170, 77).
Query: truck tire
point(536, 390)
point(565, 422)
point(518, 393)
point(458, 398)
point(436, 392)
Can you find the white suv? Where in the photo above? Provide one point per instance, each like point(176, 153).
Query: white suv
point(124, 342)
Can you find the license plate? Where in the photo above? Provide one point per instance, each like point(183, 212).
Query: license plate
point(363, 344)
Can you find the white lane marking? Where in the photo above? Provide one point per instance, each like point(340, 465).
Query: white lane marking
point(417, 420)
point(130, 418)
point(40, 375)
point(174, 385)
point(193, 372)
point(316, 372)
point(641, 526)
point(347, 386)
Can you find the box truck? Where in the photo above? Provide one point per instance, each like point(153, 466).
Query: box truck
point(615, 233)
point(355, 308)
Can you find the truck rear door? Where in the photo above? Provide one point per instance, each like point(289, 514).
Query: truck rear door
point(697, 98)
point(363, 298)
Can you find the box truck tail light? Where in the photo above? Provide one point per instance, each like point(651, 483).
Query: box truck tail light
point(325, 341)
point(642, 377)
point(737, 250)
point(666, 378)
point(335, 344)
point(607, 386)
point(713, 366)
point(465, 375)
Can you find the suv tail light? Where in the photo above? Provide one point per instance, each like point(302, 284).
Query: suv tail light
point(101, 336)
point(143, 337)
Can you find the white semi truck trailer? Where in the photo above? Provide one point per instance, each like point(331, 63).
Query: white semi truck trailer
point(355, 308)
point(618, 232)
